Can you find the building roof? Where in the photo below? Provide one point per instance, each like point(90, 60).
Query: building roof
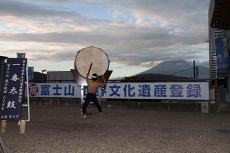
point(59, 76)
point(220, 14)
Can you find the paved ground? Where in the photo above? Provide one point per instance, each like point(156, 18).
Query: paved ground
point(58, 129)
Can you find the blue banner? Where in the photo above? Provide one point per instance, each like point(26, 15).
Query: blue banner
point(222, 56)
point(13, 90)
point(66, 90)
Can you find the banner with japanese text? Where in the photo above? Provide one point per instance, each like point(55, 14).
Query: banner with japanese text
point(147, 90)
point(158, 90)
point(67, 90)
point(13, 89)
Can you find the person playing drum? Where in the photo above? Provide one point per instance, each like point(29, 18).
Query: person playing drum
point(91, 95)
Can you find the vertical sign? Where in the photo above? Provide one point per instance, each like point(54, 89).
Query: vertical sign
point(222, 56)
point(13, 89)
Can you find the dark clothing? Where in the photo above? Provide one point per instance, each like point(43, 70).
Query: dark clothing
point(91, 97)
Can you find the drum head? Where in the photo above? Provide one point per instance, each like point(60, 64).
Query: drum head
point(91, 55)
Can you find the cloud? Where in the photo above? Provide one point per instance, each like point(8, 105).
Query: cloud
point(24, 9)
point(129, 46)
point(126, 37)
point(132, 32)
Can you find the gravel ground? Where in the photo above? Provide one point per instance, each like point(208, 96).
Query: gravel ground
point(59, 129)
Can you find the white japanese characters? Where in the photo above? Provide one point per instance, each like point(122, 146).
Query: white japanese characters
point(13, 89)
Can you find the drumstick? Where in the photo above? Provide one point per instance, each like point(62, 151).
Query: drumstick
point(90, 68)
point(87, 75)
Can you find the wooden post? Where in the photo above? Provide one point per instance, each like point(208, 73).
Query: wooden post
point(3, 126)
point(22, 126)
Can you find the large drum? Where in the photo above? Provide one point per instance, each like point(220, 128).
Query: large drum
point(92, 58)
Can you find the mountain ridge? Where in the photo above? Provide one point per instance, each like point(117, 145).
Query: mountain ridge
point(177, 68)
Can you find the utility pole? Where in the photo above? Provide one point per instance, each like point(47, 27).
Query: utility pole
point(194, 69)
point(43, 80)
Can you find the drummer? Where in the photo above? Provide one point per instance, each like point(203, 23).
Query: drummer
point(91, 95)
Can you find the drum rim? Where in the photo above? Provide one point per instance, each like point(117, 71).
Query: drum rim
point(75, 67)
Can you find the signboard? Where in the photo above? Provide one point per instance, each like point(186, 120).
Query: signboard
point(67, 90)
point(157, 90)
point(13, 89)
point(222, 56)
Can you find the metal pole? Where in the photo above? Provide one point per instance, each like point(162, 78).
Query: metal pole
point(27, 90)
point(216, 94)
point(82, 97)
point(28, 95)
point(42, 76)
point(194, 69)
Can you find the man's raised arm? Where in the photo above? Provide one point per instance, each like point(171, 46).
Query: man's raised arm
point(104, 81)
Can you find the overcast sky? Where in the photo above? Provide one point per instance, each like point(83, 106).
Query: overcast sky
point(136, 34)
